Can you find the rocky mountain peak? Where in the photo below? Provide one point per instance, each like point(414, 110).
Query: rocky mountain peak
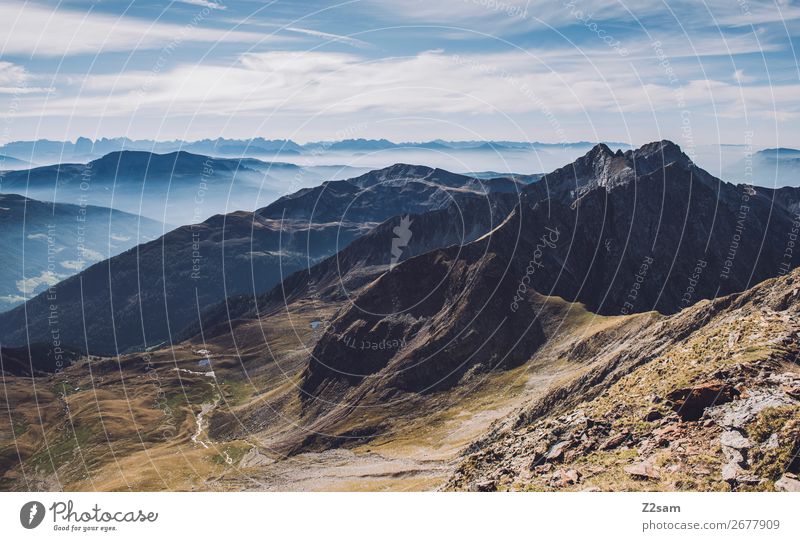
point(602, 167)
point(656, 155)
point(600, 150)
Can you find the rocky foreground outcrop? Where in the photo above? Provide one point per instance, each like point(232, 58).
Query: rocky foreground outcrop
point(718, 408)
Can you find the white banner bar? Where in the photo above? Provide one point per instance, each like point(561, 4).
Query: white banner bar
point(355, 516)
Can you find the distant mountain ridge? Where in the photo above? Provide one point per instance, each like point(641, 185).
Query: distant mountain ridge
point(772, 167)
point(10, 163)
point(48, 151)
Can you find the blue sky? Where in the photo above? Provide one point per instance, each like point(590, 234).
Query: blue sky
point(696, 72)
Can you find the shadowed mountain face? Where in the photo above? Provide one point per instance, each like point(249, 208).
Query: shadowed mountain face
point(378, 195)
point(35, 360)
point(145, 296)
point(602, 168)
point(338, 277)
point(43, 243)
point(663, 239)
point(621, 233)
point(421, 326)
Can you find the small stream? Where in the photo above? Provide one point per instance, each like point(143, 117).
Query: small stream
point(205, 409)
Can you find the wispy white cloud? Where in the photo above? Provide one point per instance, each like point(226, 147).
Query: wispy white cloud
point(203, 3)
point(34, 29)
point(495, 17)
point(577, 73)
point(741, 77)
point(502, 16)
point(73, 264)
point(91, 255)
point(331, 37)
point(755, 12)
point(27, 286)
point(15, 79)
point(11, 74)
point(429, 82)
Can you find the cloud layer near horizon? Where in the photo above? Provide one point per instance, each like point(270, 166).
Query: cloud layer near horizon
point(546, 70)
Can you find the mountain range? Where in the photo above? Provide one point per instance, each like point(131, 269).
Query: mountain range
point(626, 322)
point(145, 295)
point(779, 166)
point(620, 233)
point(43, 151)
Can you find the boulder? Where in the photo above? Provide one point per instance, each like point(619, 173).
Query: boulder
point(667, 432)
point(653, 415)
point(735, 440)
point(736, 475)
point(612, 442)
point(564, 478)
point(740, 413)
point(731, 471)
point(556, 453)
point(773, 442)
point(643, 470)
point(734, 455)
point(787, 484)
